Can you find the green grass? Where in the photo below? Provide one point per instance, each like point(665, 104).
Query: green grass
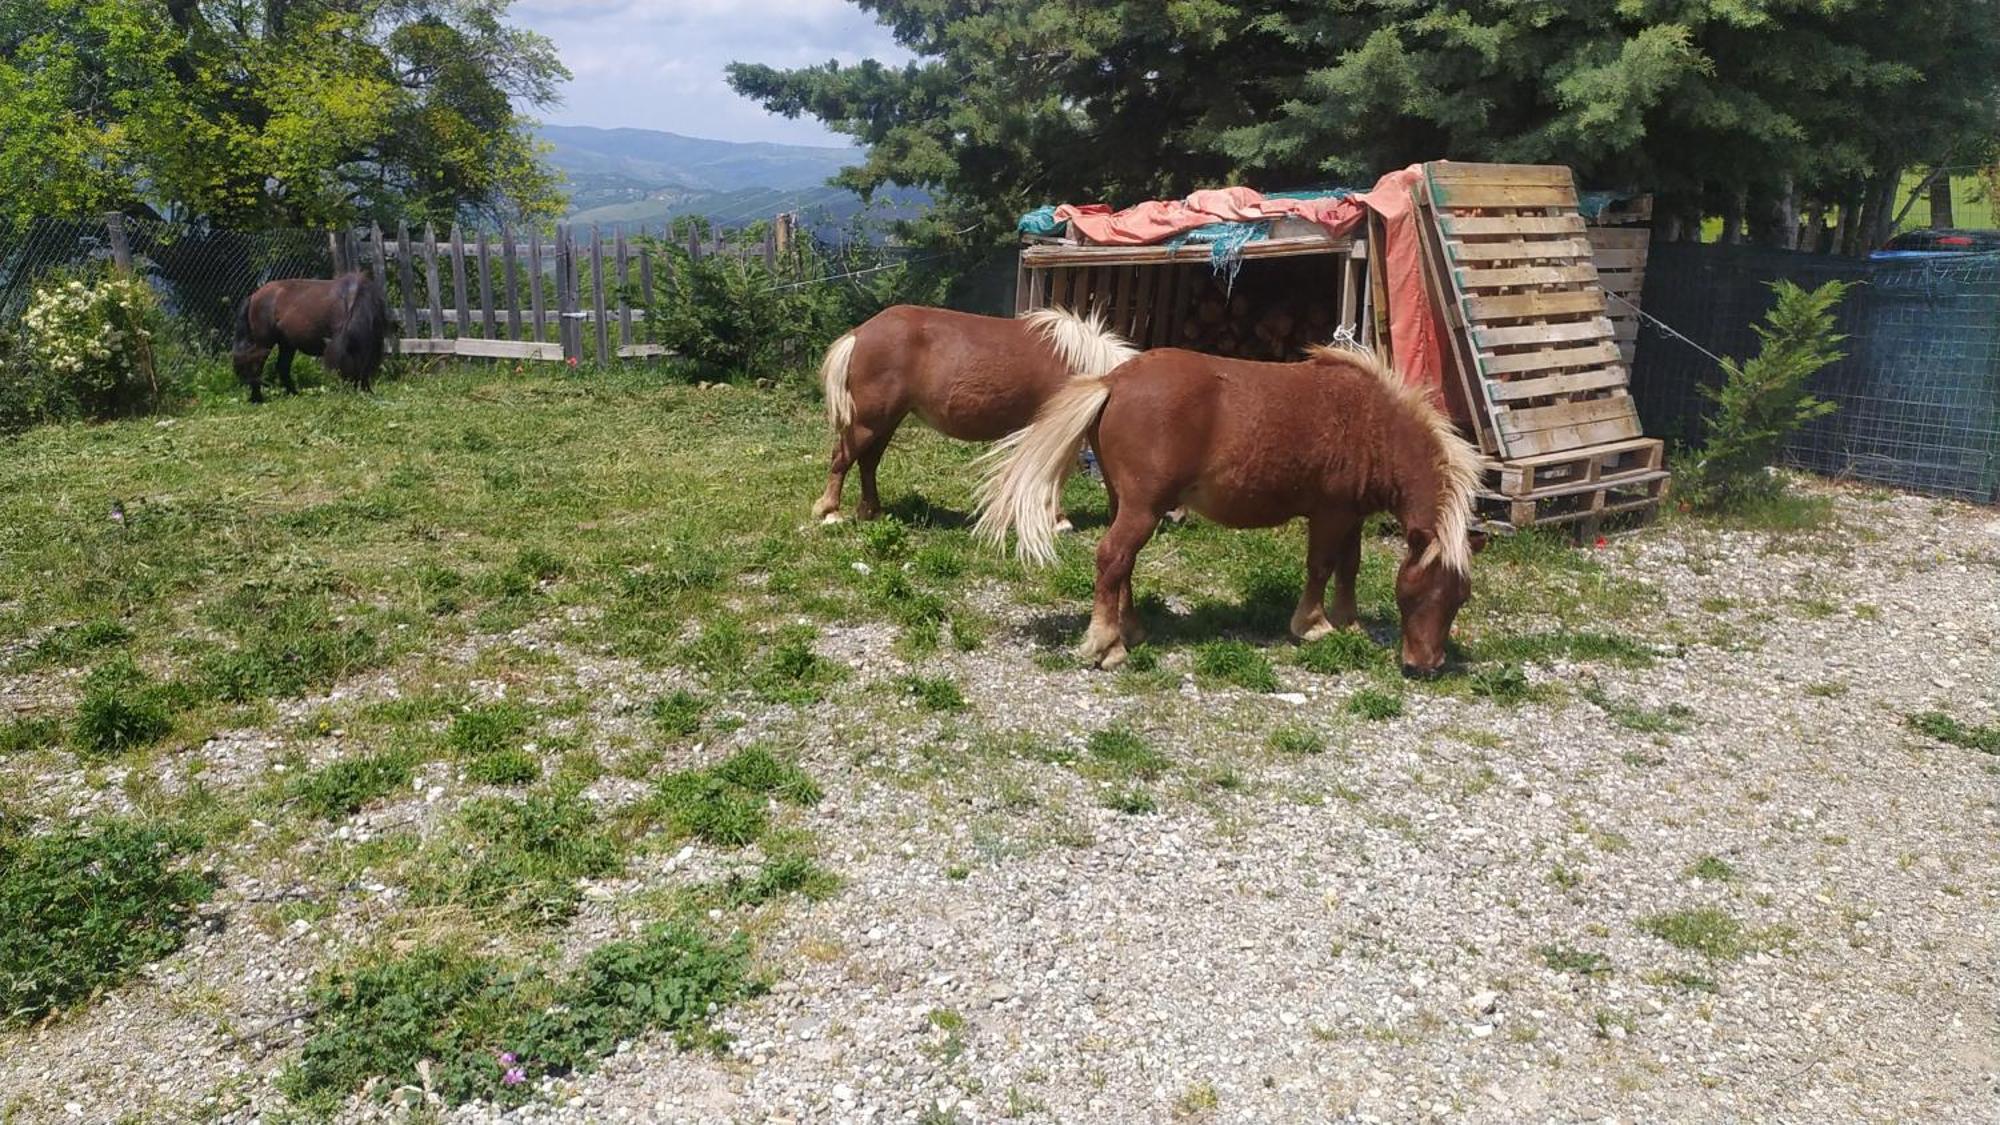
point(1713, 869)
point(1674, 718)
point(933, 693)
point(1235, 663)
point(341, 788)
point(725, 804)
point(1296, 740)
point(1345, 650)
point(1712, 932)
point(1120, 753)
point(1375, 704)
point(82, 909)
point(519, 860)
point(1577, 962)
point(679, 715)
point(1984, 737)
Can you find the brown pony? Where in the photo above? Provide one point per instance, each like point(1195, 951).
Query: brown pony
point(1247, 444)
point(344, 321)
point(974, 378)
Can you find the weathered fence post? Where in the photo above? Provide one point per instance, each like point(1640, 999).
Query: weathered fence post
point(566, 298)
point(513, 297)
point(624, 292)
point(488, 326)
point(458, 285)
point(541, 317)
point(694, 242)
point(121, 248)
point(771, 247)
point(382, 279)
point(603, 314)
point(406, 277)
point(432, 284)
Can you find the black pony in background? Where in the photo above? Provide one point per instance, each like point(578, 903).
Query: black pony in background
point(344, 321)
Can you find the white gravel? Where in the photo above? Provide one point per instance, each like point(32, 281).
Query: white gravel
point(1353, 936)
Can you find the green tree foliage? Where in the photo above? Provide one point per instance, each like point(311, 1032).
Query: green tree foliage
point(1761, 401)
point(277, 112)
point(1723, 103)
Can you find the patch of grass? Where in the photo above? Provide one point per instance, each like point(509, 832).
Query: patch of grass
point(1674, 718)
point(679, 715)
point(1578, 962)
point(1681, 979)
point(724, 804)
point(70, 645)
point(1120, 752)
point(83, 908)
point(520, 859)
point(1296, 740)
point(1375, 704)
point(341, 788)
point(1131, 800)
point(1984, 738)
point(788, 873)
point(1713, 869)
point(479, 1022)
point(34, 732)
point(793, 672)
point(1198, 1100)
point(486, 729)
point(1705, 930)
point(1234, 662)
point(933, 693)
point(514, 766)
point(721, 651)
point(1504, 684)
point(1344, 650)
point(1565, 644)
point(121, 709)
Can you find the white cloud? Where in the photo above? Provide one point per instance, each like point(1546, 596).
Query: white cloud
point(658, 64)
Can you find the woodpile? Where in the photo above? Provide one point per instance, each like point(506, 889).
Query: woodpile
point(1272, 313)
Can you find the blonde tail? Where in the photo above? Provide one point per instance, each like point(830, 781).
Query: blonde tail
point(1023, 485)
point(833, 377)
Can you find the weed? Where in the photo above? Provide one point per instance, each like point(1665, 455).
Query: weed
point(486, 729)
point(36, 732)
point(793, 672)
point(1344, 650)
point(492, 1031)
point(523, 859)
point(939, 561)
point(1674, 718)
point(1142, 659)
point(725, 803)
point(1197, 1100)
point(1681, 979)
point(1296, 740)
point(1234, 662)
point(788, 873)
point(1133, 801)
point(83, 908)
point(1984, 738)
point(121, 709)
point(934, 693)
point(1525, 648)
point(505, 767)
point(756, 769)
point(69, 645)
point(1705, 930)
point(1580, 962)
point(1712, 869)
point(341, 788)
point(1565, 877)
point(679, 715)
point(1375, 704)
point(1505, 684)
point(1605, 1019)
point(1119, 752)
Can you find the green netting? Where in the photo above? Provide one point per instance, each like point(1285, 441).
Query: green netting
point(1919, 391)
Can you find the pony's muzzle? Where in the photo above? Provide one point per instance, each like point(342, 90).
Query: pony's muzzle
point(1416, 672)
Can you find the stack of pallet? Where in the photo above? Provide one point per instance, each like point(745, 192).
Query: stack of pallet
point(1510, 259)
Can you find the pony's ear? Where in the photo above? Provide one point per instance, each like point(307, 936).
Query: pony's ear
point(1423, 546)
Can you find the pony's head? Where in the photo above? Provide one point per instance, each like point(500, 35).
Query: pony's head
point(1431, 586)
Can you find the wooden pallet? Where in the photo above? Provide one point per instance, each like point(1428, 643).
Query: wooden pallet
point(1510, 257)
point(1577, 487)
point(1619, 237)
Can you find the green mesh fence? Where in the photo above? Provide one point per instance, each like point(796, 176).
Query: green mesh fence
point(1919, 391)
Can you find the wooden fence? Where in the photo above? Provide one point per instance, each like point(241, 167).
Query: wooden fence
point(580, 296)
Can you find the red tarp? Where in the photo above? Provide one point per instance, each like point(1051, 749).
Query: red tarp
point(1413, 323)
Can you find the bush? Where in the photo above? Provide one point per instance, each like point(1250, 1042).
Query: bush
point(86, 351)
point(80, 910)
point(1762, 401)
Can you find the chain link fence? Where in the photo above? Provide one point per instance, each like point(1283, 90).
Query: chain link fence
point(1919, 390)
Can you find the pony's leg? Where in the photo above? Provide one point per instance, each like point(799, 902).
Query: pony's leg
point(1131, 630)
point(1346, 568)
point(1116, 552)
point(1326, 536)
point(869, 444)
point(285, 353)
point(826, 509)
point(249, 360)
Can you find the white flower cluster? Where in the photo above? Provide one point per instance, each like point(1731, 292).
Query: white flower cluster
point(74, 329)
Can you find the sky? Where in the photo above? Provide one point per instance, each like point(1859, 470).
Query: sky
point(658, 64)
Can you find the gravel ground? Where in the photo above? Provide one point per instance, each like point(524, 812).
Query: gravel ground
point(1440, 918)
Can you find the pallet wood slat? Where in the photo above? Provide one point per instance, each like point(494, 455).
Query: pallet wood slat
point(1521, 306)
point(1512, 390)
point(1522, 276)
point(597, 285)
point(1471, 225)
point(1591, 354)
point(1578, 413)
point(1505, 195)
point(1518, 250)
point(1476, 172)
point(1486, 337)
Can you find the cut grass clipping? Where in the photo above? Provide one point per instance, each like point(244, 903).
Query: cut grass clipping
point(81, 909)
point(724, 804)
point(492, 1031)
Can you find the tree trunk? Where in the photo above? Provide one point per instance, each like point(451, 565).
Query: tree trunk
point(1788, 216)
point(1882, 199)
point(1941, 216)
point(1732, 220)
point(1813, 236)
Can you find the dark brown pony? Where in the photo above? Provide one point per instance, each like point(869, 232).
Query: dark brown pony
point(344, 321)
point(974, 378)
point(1248, 444)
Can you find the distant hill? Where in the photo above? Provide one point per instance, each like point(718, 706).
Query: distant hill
point(638, 177)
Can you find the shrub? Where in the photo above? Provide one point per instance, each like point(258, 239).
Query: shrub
point(81, 909)
point(86, 352)
point(1761, 401)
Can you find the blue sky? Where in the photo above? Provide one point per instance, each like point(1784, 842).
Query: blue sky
point(657, 64)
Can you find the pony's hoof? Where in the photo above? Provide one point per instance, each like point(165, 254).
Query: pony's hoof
point(832, 517)
point(1178, 515)
point(1112, 658)
point(1313, 632)
point(1063, 525)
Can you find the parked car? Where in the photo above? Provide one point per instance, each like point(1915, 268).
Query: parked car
point(1930, 241)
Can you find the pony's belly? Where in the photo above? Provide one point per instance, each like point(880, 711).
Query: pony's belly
point(1243, 509)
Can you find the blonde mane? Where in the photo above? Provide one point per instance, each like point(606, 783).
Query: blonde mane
point(1457, 462)
point(1086, 345)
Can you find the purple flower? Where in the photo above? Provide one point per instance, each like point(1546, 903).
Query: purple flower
point(507, 1057)
point(513, 1077)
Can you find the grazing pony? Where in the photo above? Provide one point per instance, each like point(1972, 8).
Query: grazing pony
point(1331, 439)
point(974, 378)
point(345, 321)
